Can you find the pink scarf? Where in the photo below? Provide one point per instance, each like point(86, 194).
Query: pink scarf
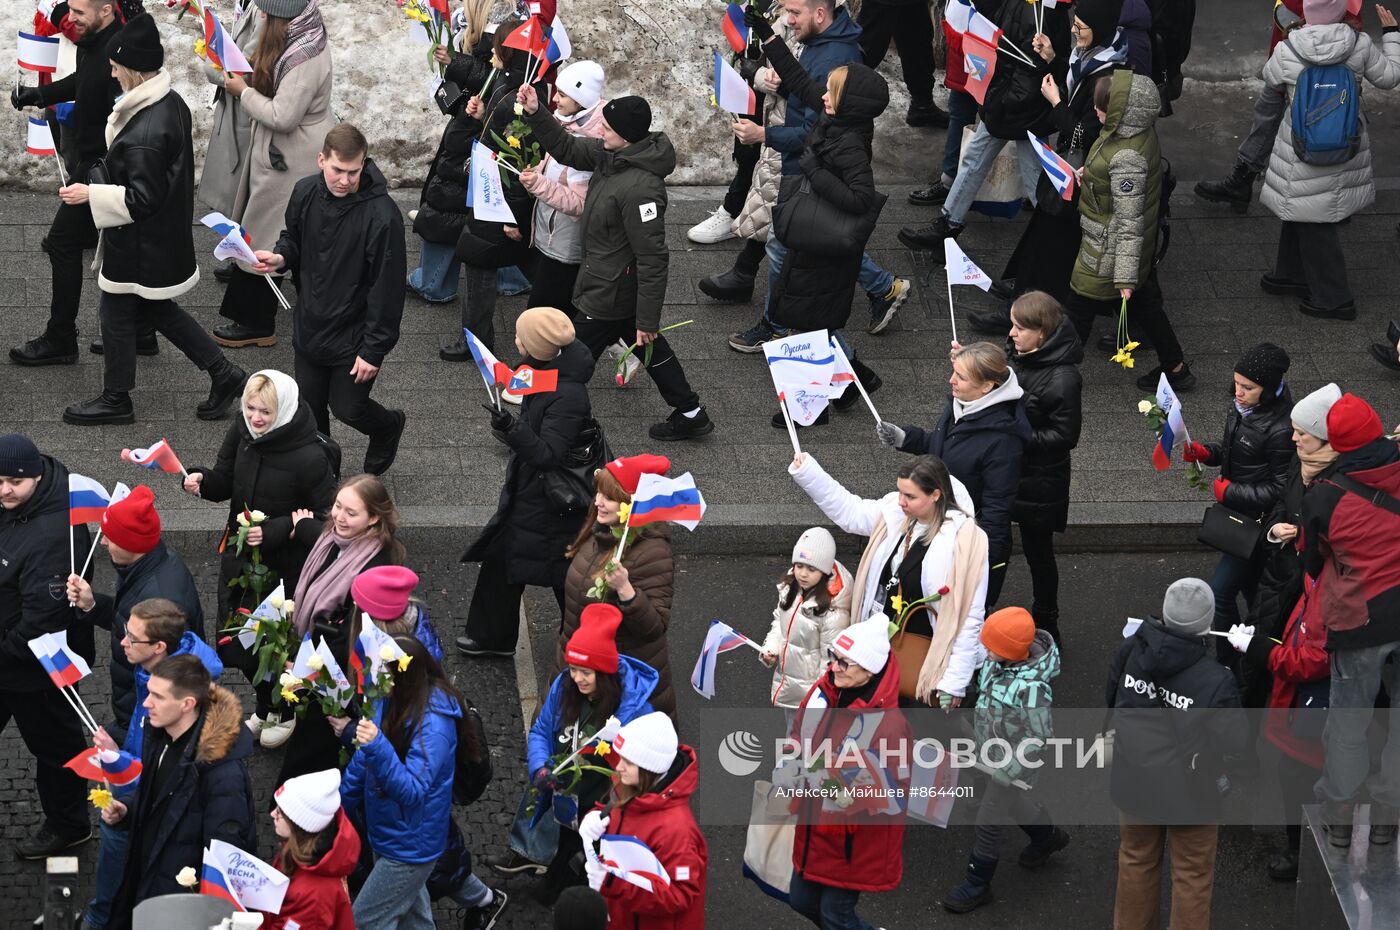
point(319, 599)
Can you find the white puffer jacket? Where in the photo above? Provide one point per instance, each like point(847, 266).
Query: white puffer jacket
point(756, 216)
point(1301, 193)
point(799, 637)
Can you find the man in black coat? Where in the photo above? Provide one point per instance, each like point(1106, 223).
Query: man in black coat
point(194, 784)
point(34, 557)
point(92, 89)
point(145, 569)
point(344, 244)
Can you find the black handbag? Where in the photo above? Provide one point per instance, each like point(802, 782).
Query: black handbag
point(449, 97)
point(1230, 531)
point(804, 221)
point(1047, 199)
point(569, 488)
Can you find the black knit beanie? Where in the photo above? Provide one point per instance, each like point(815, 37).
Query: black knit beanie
point(1102, 17)
point(1264, 364)
point(137, 45)
point(580, 908)
point(629, 117)
point(19, 458)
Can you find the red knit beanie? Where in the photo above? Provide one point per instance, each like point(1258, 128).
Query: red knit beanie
point(1351, 424)
point(594, 644)
point(132, 522)
point(629, 471)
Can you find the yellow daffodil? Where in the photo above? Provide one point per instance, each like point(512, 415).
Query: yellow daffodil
point(187, 878)
point(316, 662)
point(713, 101)
point(290, 696)
point(513, 142)
point(386, 653)
point(1128, 362)
point(199, 48)
point(624, 511)
point(101, 798)
point(1144, 407)
point(403, 663)
point(257, 625)
point(602, 749)
point(897, 602)
point(1130, 346)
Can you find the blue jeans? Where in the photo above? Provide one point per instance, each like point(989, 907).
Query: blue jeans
point(472, 893)
point(537, 845)
point(1233, 577)
point(962, 112)
point(511, 281)
point(828, 907)
point(982, 151)
point(435, 278)
point(395, 897)
point(873, 280)
point(111, 863)
point(1357, 675)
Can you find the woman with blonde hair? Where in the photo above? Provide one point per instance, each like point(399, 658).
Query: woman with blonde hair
point(288, 100)
point(981, 437)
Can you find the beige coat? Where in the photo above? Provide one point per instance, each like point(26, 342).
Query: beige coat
point(229, 134)
point(296, 122)
point(756, 216)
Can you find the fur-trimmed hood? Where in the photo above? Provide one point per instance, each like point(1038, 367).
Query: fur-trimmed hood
point(222, 735)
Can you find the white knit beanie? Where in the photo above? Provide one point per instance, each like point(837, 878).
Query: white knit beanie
point(816, 548)
point(1310, 413)
point(582, 82)
point(867, 643)
point(310, 801)
point(648, 742)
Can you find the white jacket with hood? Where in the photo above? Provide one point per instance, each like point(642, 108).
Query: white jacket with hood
point(800, 637)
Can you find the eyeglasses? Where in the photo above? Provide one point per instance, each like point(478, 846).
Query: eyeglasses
point(1075, 27)
point(841, 663)
point(140, 642)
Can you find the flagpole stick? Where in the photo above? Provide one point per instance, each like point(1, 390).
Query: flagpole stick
point(72, 556)
point(81, 716)
point(865, 396)
point(88, 560)
point(622, 546)
point(791, 429)
point(495, 393)
point(83, 709)
point(58, 160)
point(278, 291)
point(952, 317)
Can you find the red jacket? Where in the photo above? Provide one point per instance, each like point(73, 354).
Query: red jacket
point(662, 819)
point(317, 898)
point(1301, 657)
point(955, 70)
point(863, 856)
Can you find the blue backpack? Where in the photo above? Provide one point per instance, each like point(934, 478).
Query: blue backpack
point(1326, 115)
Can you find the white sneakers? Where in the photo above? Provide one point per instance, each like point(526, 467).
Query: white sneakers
point(717, 228)
point(275, 734)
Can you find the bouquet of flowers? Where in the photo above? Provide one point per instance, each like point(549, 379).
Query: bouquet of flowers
point(316, 676)
point(255, 578)
point(436, 19)
point(569, 770)
point(265, 631)
point(517, 148)
point(374, 659)
point(1123, 346)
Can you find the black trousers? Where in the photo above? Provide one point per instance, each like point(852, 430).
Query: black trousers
point(750, 257)
point(71, 232)
point(552, 284)
point(1313, 251)
point(1295, 780)
point(1038, 546)
point(745, 158)
point(330, 386)
point(665, 369)
point(493, 617)
point(125, 317)
point(912, 30)
point(249, 301)
point(51, 730)
point(1146, 314)
point(312, 747)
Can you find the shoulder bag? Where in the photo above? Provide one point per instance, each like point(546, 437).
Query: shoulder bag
point(1230, 531)
point(909, 650)
point(569, 487)
point(804, 221)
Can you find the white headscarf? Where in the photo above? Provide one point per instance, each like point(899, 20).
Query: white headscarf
point(288, 399)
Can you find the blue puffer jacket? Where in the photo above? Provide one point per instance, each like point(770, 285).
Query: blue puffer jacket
point(549, 734)
point(835, 47)
point(407, 801)
point(190, 644)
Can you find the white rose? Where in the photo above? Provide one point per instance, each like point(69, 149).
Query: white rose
point(1144, 407)
point(242, 519)
point(258, 516)
point(316, 662)
point(275, 602)
point(386, 652)
point(288, 680)
point(187, 878)
point(287, 607)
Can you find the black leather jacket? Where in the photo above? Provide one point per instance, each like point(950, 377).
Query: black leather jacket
point(1255, 454)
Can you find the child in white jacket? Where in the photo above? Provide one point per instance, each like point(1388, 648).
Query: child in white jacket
point(814, 606)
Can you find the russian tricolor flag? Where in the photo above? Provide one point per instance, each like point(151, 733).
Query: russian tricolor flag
point(159, 455)
point(301, 666)
point(660, 499)
point(559, 47)
point(64, 666)
point(87, 499)
point(359, 660)
point(1059, 171)
point(222, 53)
point(235, 242)
point(214, 883)
point(493, 370)
point(720, 637)
point(735, 30)
point(732, 93)
point(1173, 428)
point(119, 768)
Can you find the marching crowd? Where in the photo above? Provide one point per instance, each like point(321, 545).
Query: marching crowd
point(362, 806)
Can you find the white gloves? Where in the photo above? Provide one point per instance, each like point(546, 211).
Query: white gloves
point(1240, 635)
point(593, 825)
point(595, 872)
point(890, 434)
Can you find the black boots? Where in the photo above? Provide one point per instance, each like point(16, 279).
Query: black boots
point(107, 407)
point(226, 382)
point(729, 287)
point(976, 889)
point(1046, 840)
point(1236, 190)
point(382, 449)
point(930, 238)
point(1047, 619)
point(46, 350)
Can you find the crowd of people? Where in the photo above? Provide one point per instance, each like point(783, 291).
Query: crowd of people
point(362, 807)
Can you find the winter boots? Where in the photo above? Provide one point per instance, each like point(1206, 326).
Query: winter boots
point(1046, 840)
point(975, 890)
point(1236, 190)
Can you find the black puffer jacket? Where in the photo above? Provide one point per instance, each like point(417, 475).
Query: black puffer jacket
point(1255, 454)
point(347, 256)
point(158, 573)
point(282, 470)
point(1173, 706)
point(33, 572)
point(815, 291)
point(1014, 102)
point(147, 237)
point(92, 89)
point(442, 207)
point(1050, 377)
point(526, 530)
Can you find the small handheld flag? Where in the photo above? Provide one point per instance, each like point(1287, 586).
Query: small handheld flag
point(980, 62)
point(660, 499)
point(38, 53)
point(235, 242)
point(40, 138)
point(803, 358)
point(64, 666)
point(559, 46)
point(301, 665)
point(1173, 427)
point(632, 860)
point(957, 15)
point(116, 767)
point(961, 269)
point(720, 637)
point(220, 50)
point(87, 499)
point(1059, 171)
point(732, 93)
point(493, 371)
point(159, 455)
point(253, 883)
point(735, 30)
point(485, 194)
point(214, 883)
point(527, 380)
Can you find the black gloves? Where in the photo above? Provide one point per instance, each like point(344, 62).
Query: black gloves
point(22, 97)
point(502, 421)
point(545, 781)
point(756, 21)
point(808, 162)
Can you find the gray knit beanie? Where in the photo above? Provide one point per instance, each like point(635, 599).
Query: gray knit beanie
point(287, 9)
point(1188, 607)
